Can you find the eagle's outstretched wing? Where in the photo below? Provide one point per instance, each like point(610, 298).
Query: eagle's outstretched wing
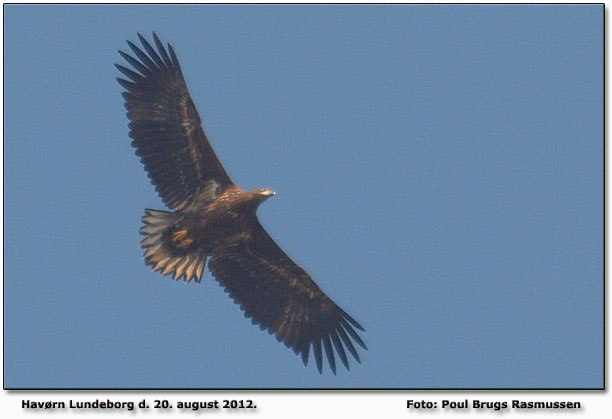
point(281, 297)
point(166, 128)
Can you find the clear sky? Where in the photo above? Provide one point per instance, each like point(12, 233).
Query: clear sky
point(438, 169)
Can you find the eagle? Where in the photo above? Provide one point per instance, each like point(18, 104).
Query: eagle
point(213, 221)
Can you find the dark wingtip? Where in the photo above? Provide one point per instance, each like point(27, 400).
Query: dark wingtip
point(122, 53)
point(339, 348)
point(329, 352)
point(125, 84)
point(162, 51)
point(353, 334)
point(174, 58)
point(132, 46)
point(351, 320)
point(142, 39)
point(358, 326)
point(158, 43)
point(128, 73)
point(316, 348)
point(358, 339)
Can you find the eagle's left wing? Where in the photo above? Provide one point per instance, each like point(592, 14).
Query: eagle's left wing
point(166, 128)
point(281, 297)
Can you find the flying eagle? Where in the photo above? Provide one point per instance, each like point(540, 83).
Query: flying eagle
point(215, 220)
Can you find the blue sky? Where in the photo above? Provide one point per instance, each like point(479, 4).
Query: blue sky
point(438, 169)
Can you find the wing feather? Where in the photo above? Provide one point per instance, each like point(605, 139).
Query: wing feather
point(339, 348)
point(329, 352)
point(165, 126)
point(280, 296)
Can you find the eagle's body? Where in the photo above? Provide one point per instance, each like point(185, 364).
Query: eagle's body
point(214, 221)
point(221, 222)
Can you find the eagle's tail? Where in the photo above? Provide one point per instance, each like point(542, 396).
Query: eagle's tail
point(162, 253)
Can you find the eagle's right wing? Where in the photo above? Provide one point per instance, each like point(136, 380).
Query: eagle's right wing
point(166, 128)
point(281, 297)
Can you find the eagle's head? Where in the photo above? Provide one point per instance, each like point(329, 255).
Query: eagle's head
point(263, 194)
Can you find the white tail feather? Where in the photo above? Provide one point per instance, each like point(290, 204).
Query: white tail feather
point(161, 257)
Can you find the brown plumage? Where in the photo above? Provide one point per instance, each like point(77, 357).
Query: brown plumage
point(215, 220)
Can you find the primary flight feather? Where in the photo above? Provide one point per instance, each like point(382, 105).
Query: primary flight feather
point(215, 221)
